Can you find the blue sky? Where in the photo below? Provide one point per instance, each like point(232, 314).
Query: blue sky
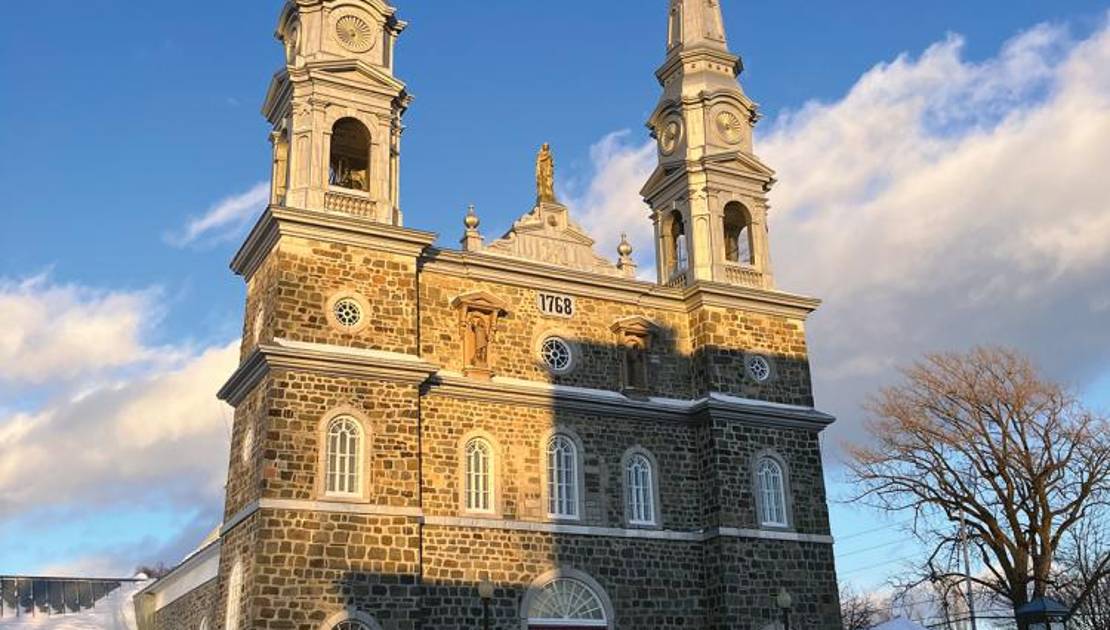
point(126, 120)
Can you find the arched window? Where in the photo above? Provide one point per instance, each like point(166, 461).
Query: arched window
point(566, 603)
point(738, 234)
point(351, 624)
point(203, 624)
point(343, 458)
point(562, 477)
point(479, 476)
point(678, 251)
point(350, 155)
point(234, 596)
point(771, 484)
point(639, 481)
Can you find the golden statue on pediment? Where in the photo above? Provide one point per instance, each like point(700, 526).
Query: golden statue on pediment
point(545, 175)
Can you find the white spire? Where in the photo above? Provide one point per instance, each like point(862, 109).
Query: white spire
point(696, 24)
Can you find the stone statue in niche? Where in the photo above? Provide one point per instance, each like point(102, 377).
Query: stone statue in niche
point(635, 364)
point(478, 338)
point(479, 313)
point(634, 337)
point(545, 175)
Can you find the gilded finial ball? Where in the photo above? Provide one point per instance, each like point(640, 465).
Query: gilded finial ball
point(471, 220)
point(625, 248)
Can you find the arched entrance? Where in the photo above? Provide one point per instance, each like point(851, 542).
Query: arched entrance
point(566, 600)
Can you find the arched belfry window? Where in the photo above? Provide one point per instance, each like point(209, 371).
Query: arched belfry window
point(343, 457)
point(738, 234)
point(350, 155)
point(678, 248)
point(771, 486)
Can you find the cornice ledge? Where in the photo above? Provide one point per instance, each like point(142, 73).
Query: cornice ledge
point(537, 394)
point(717, 406)
point(705, 293)
point(538, 275)
point(278, 221)
point(322, 359)
point(763, 413)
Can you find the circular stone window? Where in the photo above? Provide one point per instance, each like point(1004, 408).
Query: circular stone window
point(758, 368)
point(557, 355)
point(348, 313)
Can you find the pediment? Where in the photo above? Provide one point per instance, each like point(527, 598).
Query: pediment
point(549, 235)
point(358, 69)
point(481, 301)
point(636, 325)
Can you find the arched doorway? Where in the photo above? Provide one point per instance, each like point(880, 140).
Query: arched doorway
point(566, 600)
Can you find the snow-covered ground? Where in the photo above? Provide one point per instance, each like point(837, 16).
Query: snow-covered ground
point(114, 612)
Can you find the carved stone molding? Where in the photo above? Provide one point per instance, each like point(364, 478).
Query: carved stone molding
point(479, 316)
point(634, 336)
point(547, 234)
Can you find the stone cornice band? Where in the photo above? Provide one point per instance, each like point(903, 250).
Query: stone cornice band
point(699, 535)
point(338, 361)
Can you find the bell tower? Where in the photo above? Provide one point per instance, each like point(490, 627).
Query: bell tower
point(336, 109)
point(708, 194)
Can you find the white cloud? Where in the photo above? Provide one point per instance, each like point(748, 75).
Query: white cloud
point(226, 219)
point(106, 423)
point(940, 203)
point(53, 332)
point(163, 434)
point(610, 204)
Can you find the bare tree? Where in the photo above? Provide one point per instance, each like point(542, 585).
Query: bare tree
point(861, 611)
point(1085, 550)
point(985, 437)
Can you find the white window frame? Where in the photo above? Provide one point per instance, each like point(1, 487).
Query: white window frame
point(563, 488)
point(641, 497)
point(479, 486)
point(353, 467)
point(772, 492)
point(528, 601)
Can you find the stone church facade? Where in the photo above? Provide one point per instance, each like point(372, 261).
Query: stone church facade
point(520, 427)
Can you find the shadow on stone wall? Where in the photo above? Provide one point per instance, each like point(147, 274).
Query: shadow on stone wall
point(676, 573)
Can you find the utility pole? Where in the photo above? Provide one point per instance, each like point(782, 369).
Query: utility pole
point(967, 571)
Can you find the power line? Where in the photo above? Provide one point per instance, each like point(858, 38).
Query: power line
point(889, 543)
point(875, 566)
point(840, 539)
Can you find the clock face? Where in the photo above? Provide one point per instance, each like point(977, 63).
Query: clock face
point(730, 126)
point(355, 34)
point(669, 136)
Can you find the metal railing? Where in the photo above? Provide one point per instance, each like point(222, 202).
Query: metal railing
point(36, 595)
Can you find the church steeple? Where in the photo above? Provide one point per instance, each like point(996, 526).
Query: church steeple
point(696, 23)
point(708, 194)
point(336, 109)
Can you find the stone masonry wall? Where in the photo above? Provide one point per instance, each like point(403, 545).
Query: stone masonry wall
point(519, 431)
point(259, 316)
point(310, 272)
point(312, 565)
point(514, 351)
point(243, 475)
point(300, 405)
point(744, 577)
point(735, 450)
point(239, 546)
point(652, 584)
point(722, 338)
point(187, 612)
